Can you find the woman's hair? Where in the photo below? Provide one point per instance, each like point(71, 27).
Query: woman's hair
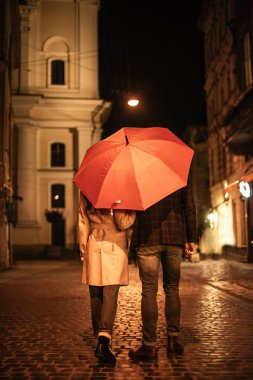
point(89, 206)
point(88, 203)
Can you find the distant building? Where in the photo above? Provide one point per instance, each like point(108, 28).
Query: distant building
point(196, 137)
point(57, 114)
point(227, 26)
point(9, 61)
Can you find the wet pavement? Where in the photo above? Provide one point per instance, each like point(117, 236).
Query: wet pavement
point(46, 328)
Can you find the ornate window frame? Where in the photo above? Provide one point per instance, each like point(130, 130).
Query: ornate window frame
point(52, 53)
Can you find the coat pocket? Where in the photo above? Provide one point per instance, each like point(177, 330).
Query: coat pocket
point(114, 264)
point(109, 255)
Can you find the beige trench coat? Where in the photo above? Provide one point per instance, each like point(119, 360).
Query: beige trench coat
point(103, 243)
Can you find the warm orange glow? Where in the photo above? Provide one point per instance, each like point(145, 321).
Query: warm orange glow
point(226, 195)
point(133, 102)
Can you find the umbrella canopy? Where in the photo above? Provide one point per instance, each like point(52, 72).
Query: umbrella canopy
point(134, 168)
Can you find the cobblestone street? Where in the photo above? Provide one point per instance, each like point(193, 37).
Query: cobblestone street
point(46, 328)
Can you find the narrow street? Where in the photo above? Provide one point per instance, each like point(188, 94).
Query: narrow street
point(46, 328)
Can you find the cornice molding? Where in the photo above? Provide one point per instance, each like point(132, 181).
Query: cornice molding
point(86, 3)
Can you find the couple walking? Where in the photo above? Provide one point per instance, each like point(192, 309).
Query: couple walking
point(160, 234)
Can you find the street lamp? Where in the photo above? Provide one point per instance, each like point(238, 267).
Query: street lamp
point(226, 196)
point(244, 189)
point(133, 102)
point(213, 218)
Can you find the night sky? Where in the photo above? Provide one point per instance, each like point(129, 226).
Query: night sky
point(156, 54)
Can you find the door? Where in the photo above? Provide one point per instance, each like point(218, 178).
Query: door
point(250, 224)
point(58, 232)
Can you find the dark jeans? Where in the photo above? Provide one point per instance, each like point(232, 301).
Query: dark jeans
point(104, 301)
point(149, 259)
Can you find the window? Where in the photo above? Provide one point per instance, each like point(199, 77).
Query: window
point(247, 60)
point(57, 72)
point(57, 196)
point(57, 154)
point(221, 159)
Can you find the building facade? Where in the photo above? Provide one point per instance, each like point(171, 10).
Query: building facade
point(228, 40)
point(196, 137)
point(9, 60)
point(57, 114)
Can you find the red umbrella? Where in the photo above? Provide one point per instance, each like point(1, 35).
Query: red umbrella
point(134, 168)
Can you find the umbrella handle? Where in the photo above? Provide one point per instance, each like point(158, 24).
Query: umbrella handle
point(117, 202)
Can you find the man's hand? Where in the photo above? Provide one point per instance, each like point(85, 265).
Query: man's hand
point(190, 249)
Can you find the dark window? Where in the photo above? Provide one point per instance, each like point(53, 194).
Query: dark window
point(57, 196)
point(57, 72)
point(57, 154)
point(247, 60)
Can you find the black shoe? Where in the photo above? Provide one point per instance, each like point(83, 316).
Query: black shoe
point(174, 347)
point(143, 352)
point(103, 350)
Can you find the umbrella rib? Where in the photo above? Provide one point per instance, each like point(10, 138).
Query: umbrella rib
point(132, 171)
point(183, 145)
point(159, 158)
point(151, 174)
point(95, 157)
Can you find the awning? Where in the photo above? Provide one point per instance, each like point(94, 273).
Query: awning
point(241, 143)
point(240, 119)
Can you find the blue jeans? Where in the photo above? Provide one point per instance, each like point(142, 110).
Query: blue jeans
point(149, 259)
point(104, 300)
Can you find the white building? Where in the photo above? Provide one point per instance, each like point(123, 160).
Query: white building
point(57, 113)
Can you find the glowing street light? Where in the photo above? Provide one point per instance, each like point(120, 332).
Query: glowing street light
point(244, 189)
point(133, 102)
point(226, 195)
point(213, 218)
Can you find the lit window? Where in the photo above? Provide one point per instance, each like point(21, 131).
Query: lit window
point(57, 196)
point(57, 72)
point(58, 154)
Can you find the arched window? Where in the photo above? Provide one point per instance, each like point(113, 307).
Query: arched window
point(57, 154)
point(57, 196)
point(57, 72)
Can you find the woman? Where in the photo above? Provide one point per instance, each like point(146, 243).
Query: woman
point(103, 241)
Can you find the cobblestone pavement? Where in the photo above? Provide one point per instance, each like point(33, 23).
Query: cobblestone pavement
point(46, 328)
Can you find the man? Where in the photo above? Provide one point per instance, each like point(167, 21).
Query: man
point(161, 234)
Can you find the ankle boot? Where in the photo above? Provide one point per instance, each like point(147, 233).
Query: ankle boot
point(174, 347)
point(143, 352)
point(103, 350)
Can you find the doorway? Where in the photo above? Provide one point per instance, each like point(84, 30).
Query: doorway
point(58, 232)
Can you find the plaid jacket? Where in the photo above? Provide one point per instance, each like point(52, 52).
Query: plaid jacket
point(172, 220)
